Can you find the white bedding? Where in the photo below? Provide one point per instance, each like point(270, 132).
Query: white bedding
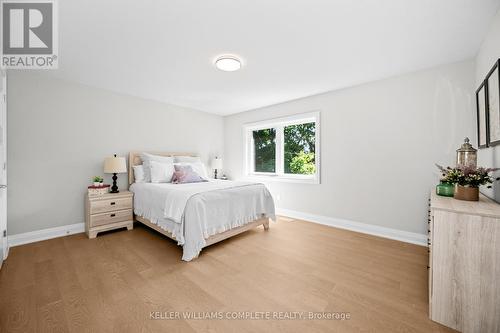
point(196, 211)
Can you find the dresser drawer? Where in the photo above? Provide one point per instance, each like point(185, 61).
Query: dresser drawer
point(111, 217)
point(109, 205)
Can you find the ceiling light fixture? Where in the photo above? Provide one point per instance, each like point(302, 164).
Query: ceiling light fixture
point(228, 63)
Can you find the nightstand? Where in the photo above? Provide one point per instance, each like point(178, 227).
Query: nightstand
point(108, 211)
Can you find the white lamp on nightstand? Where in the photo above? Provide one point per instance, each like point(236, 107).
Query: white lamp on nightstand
point(115, 165)
point(216, 164)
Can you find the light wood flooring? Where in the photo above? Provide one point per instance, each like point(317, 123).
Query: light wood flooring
point(114, 282)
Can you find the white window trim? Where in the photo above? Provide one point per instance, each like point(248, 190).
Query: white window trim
point(279, 124)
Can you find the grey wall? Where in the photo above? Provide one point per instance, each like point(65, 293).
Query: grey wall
point(379, 143)
point(486, 57)
point(60, 132)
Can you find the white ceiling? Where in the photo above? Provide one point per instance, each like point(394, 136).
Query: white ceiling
point(164, 50)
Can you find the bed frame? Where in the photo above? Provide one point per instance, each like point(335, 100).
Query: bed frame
point(135, 159)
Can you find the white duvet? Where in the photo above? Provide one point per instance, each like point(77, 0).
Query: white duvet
point(193, 212)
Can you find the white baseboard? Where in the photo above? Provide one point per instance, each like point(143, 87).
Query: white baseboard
point(400, 235)
point(39, 235)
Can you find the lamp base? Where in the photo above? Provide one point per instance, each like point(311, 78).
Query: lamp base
point(114, 188)
point(215, 174)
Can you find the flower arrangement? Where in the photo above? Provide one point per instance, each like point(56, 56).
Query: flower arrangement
point(467, 176)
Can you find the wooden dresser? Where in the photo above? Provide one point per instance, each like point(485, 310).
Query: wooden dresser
point(107, 212)
point(464, 268)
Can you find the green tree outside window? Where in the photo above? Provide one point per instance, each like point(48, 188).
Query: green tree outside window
point(299, 150)
point(300, 145)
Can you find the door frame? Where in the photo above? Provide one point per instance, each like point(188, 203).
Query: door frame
point(3, 75)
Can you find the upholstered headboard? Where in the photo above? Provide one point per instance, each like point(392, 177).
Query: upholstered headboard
point(134, 158)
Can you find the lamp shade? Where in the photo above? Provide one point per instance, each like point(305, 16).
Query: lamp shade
point(217, 163)
point(115, 165)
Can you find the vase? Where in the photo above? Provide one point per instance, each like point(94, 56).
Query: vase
point(466, 193)
point(96, 184)
point(445, 190)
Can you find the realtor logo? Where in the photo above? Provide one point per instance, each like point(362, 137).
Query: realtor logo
point(29, 34)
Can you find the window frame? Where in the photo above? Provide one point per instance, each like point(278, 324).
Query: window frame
point(280, 124)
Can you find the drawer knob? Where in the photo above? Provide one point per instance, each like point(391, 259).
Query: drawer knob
point(113, 215)
point(112, 203)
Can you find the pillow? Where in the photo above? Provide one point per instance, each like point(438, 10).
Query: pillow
point(138, 173)
point(161, 172)
point(197, 167)
point(184, 174)
point(147, 158)
point(186, 159)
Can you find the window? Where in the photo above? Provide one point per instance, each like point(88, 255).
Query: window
point(284, 149)
point(264, 144)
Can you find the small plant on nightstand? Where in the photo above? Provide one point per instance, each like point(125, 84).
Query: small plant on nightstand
point(98, 180)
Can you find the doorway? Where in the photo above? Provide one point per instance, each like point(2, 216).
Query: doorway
point(3, 168)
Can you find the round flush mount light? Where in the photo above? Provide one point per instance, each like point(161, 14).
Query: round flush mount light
point(228, 63)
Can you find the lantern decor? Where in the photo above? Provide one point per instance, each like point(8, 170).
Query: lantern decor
point(466, 155)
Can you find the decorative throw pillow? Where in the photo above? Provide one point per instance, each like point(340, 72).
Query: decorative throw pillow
point(146, 162)
point(138, 173)
point(161, 172)
point(184, 174)
point(197, 167)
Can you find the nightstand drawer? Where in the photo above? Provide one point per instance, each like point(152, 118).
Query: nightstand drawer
point(111, 217)
point(109, 205)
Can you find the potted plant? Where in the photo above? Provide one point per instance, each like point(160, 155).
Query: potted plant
point(467, 180)
point(446, 186)
point(97, 180)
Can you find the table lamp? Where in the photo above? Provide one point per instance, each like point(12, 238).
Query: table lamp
point(115, 165)
point(216, 164)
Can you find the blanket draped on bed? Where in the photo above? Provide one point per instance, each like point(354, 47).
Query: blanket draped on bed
point(196, 211)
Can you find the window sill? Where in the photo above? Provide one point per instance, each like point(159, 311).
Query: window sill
point(283, 179)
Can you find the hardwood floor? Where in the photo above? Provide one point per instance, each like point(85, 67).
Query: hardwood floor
point(114, 282)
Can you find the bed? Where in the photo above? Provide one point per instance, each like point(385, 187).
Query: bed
point(200, 214)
